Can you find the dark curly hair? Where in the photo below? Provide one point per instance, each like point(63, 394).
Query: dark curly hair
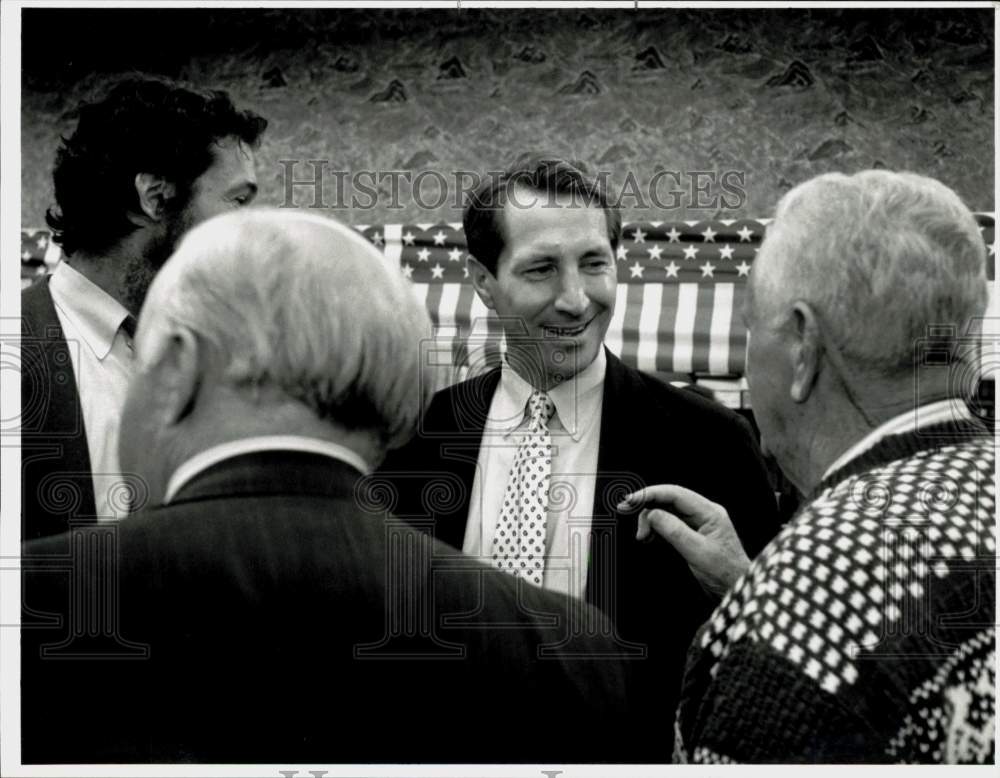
point(482, 218)
point(142, 125)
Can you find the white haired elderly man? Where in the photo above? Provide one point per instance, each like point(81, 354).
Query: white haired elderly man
point(865, 631)
point(279, 612)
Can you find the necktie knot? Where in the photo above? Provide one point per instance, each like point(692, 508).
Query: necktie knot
point(540, 409)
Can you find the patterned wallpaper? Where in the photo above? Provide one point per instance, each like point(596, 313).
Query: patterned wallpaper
point(722, 110)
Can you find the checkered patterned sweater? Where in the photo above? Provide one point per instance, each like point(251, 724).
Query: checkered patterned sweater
point(864, 631)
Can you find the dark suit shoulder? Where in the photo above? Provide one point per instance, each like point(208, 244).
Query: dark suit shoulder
point(470, 398)
point(679, 405)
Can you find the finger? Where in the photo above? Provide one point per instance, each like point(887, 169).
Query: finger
point(649, 495)
point(643, 530)
point(677, 533)
point(690, 506)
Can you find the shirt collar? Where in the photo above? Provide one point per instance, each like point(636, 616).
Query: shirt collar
point(95, 314)
point(212, 456)
point(576, 400)
point(952, 409)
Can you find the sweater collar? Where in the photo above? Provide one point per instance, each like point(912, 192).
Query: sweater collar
point(894, 447)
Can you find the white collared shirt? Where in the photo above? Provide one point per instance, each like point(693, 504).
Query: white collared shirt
point(953, 409)
point(234, 448)
point(101, 353)
point(576, 431)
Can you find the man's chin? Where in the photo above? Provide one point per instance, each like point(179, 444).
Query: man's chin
point(565, 361)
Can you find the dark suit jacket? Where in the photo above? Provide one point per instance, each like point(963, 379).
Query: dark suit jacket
point(56, 481)
point(650, 433)
point(275, 612)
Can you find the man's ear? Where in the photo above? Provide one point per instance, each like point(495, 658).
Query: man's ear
point(153, 193)
point(807, 351)
point(483, 281)
point(180, 377)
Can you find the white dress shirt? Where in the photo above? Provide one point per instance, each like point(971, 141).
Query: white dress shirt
point(101, 353)
point(576, 431)
point(953, 409)
point(234, 448)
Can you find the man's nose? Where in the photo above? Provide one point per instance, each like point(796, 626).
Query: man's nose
point(573, 298)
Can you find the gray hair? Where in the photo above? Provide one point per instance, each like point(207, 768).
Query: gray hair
point(880, 256)
point(300, 303)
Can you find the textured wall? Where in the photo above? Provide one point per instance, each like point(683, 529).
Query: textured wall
point(781, 95)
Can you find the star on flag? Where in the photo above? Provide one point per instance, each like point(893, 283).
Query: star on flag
point(437, 271)
point(745, 234)
point(655, 251)
point(622, 252)
point(690, 252)
point(439, 238)
point(672, 269)
point(707, 270)
point(726, 252)
point(636, 270)
point(743, 268)
point(709, 235)
point(455, 255)
point(408, 238)
point(673, 236)
point(423, 255)
point(639, 236)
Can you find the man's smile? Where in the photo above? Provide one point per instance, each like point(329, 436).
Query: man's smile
point(567, 331)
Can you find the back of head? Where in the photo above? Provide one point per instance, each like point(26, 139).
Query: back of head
point(538, 174)
point(141, 125)
point(300, 304)
point(880, 256)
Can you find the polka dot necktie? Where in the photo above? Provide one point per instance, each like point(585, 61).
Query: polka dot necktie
point(519, 543)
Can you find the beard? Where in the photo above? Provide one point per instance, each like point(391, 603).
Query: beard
point(141, 270)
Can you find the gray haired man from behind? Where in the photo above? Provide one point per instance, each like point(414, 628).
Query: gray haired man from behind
point(865, 631)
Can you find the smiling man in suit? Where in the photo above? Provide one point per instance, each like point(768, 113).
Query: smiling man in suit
point(147, 161)
point(546, 445)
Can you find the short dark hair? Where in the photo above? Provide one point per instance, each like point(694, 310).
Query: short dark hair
point(141, 125)
point(482, 217)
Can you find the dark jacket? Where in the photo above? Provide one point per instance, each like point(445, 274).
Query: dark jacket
point(276, 612)
point(57, 487)
point(651, 433)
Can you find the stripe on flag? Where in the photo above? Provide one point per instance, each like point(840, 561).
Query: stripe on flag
point(649, 327)
point(687, 303)
point(722, 317)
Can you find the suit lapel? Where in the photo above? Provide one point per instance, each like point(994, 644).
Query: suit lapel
point(459, 445)
point(619, 463)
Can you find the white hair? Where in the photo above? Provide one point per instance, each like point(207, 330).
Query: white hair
point(300, 303)
point(880, 256)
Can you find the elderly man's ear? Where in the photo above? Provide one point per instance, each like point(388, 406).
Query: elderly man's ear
point(153, 193)
point(178, 375)
point(807, 351)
